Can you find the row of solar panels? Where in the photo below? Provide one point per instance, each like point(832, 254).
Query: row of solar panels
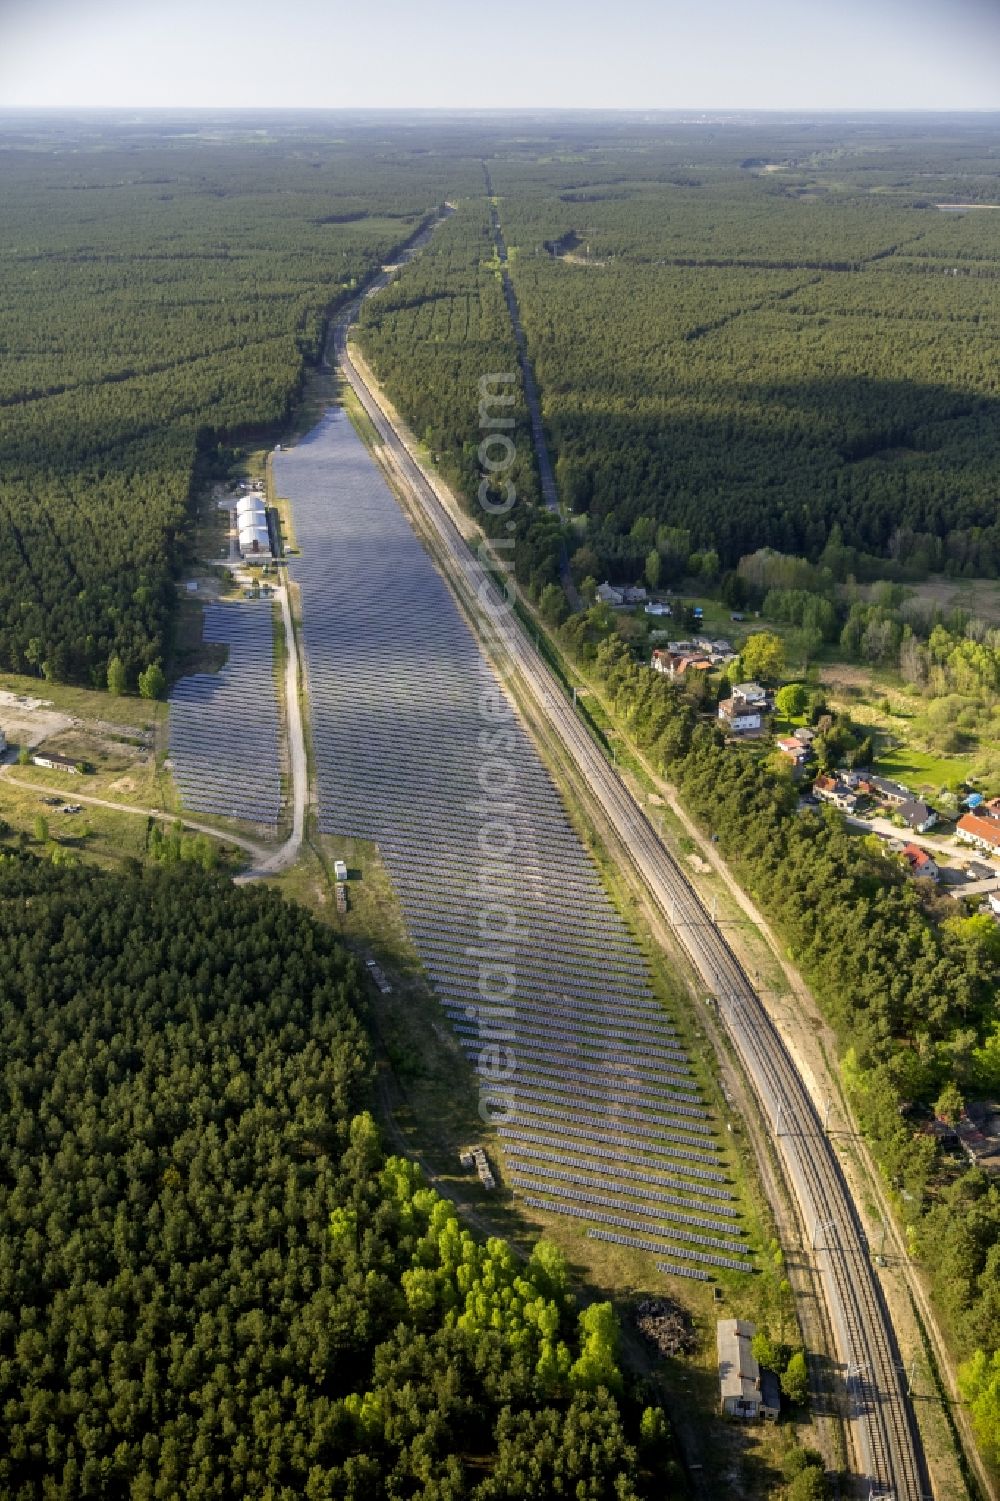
point(612, 1173)
point(710, 1258)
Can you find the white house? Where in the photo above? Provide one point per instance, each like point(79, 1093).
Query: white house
point(751, 693)
point(833, 790)
point(984, 833)
point(740, 718)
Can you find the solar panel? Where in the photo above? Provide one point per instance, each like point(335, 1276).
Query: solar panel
point(223, 727)
point(396, 686)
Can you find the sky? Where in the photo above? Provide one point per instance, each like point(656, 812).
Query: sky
point(462, 54)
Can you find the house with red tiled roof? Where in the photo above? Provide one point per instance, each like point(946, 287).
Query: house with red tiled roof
point(984, 833)
point(793, 749)
point(920, 862)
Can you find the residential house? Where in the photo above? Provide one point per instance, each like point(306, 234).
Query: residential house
point(634, 595)
point(804, 734)
point(610, 596)
point(984, 833)
point(654, 607)
point(979, 1133)
point(917, 816)
point(993, 902)
point(743, 1388)
point(832, 790)
point(752, 694)
point(675, 664)
point(894, 794)
point(920, 862)
point(793, 749)
point(991, 809)
point(720, 651)
point(739, 718)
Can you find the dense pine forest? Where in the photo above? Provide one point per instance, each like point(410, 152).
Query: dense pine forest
point(751, 337)
point(162, 297)
point(214, 1282)
point(750, 334)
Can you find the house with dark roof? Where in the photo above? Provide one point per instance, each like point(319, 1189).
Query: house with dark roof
point(917, 815)
point(53, 762)
point(894, 794)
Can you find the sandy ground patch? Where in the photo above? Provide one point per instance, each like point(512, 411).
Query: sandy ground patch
point(28, 721)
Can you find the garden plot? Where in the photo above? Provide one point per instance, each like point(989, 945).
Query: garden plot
point(418, 748)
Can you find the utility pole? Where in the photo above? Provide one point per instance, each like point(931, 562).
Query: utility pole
point(777, 1122)
point(826, 1113)
point(821, 1225)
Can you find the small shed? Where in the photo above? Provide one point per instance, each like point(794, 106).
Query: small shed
point(53, 762)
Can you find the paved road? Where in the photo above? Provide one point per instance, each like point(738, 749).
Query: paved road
point(886, 1445)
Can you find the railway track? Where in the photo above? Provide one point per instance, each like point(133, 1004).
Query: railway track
point(887, 1447)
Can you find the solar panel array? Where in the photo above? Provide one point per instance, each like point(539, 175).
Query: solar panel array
point(223, 726)
point(417, 748)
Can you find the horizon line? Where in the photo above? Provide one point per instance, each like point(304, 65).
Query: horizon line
point(494, 110)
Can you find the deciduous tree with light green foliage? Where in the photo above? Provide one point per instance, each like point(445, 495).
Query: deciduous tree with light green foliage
point(763, 656)
point(795, 1379)
point(765, 1351)
point(791, 700)
point(598, 1362)
point(979, 1383)
point(152, 682)
point(117, 677)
